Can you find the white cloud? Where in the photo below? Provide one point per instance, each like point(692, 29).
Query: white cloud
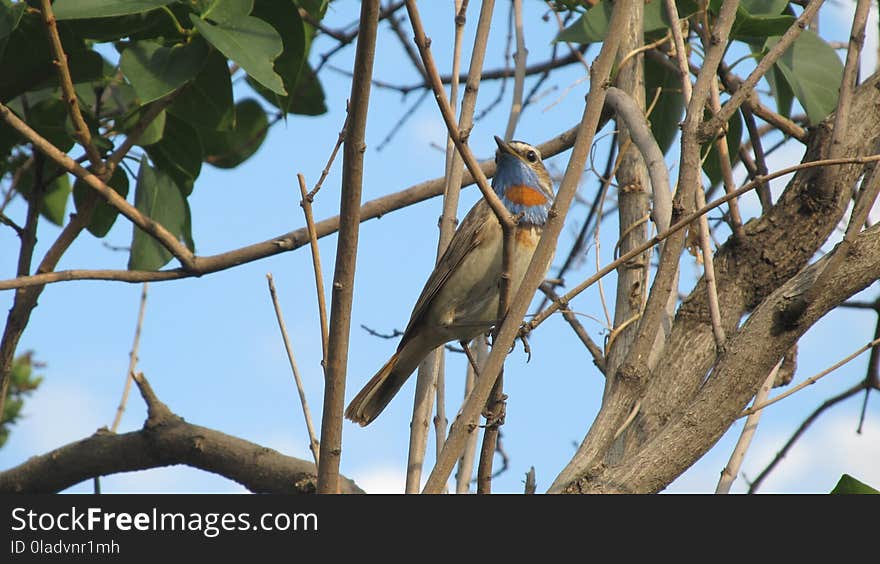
point(828, 449)
point(380, 480)
point(169, 479)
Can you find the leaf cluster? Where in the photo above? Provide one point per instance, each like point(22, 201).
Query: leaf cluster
point(159, 72)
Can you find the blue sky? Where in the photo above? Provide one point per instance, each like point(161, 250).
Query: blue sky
point(212, 350)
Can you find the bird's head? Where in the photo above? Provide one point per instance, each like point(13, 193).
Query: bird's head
point(522, 182)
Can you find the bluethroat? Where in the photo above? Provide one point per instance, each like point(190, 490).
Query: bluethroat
point(460, 298)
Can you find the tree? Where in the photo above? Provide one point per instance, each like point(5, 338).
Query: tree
point(109, 95)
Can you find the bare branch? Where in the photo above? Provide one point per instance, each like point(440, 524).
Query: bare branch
point(132, 360)
point(164, 440)
point(314, 446)
point(80, 128)
point(519, 75)
point(306, 204)
point(728, 475)
point(641, 135)
point(811, 380)
point(459, 137)
point(346, 252)
point(827, 404)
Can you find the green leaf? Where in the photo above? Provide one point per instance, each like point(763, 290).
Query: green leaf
point(711, 165)
point(22, 382)
point(29, 66)
point(813, 70)
point(764, 7)
point(781, 91)
point(10, 15)
point(284, 17)
point(207, 102)
point(749, 27)
point(119, 99)
point(78, 9)
point(152, 134)
point(228, 11)
point(119, 27)
point(55, 200)
point(228, 149)
point(250, 42)
point(50, 118)
point(179, 153)
point(307, 99)
point(104, 215)
point(667, 112)
point(849, 485)
point(593, 25)
point(55, 194)
point(155, 70)
point(158, 197)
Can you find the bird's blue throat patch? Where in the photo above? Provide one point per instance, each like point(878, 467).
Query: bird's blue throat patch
point(517, 186)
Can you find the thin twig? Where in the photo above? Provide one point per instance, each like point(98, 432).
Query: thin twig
point(80, 128)
point(466, 461)
point(519, 75)
point(132, 360)
point(578, 245)
point(872, 375)
point(761, 169)
point(704, 232)
point(459, 137)
point(571, 318)
point(842, 119)
point(134, 134)
point(306, 204)
point(730, 472)
point(339, 139)
point(709, 272)
point(811, 380)
point(831, 402)
point(314, 446)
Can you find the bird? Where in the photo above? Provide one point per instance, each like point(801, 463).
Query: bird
point(460, 298)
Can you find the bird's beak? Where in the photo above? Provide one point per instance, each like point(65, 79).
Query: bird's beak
point(503, 146)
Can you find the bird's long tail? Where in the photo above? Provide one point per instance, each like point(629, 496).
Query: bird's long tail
point(375, 395)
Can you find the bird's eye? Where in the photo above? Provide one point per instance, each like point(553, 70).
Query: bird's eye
point(532, 156)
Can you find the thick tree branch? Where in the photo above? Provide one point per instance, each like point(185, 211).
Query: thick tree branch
point(164, 440)
point(751, 353)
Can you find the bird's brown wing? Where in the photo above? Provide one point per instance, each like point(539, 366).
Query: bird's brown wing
point(469, 235)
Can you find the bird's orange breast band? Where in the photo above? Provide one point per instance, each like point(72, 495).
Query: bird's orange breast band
point(525, 195)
